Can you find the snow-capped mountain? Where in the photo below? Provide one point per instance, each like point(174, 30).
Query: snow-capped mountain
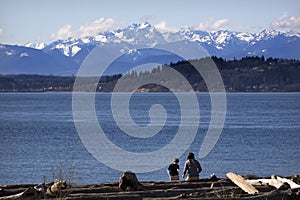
point(139, 35)
point(65, 56)
point(35, 46)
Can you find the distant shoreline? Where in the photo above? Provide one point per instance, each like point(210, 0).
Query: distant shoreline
point(249, 74)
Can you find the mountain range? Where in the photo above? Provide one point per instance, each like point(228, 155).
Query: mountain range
point(64, 57)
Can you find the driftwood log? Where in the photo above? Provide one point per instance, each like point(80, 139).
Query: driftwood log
point(209, 189)
point(29, 193)
point(242, 183)
point(40, 191)
point(275, 181)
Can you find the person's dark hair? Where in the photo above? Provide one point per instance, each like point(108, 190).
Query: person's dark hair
point(191, 155)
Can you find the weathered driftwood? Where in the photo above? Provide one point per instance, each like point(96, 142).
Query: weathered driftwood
point(29, 193)
point(271, 182)
point(242, 183)
point(40, 191)
point(275, 181)
point(209, 189)
point(292, 184)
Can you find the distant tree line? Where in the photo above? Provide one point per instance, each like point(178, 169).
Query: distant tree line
point(249, 74)
point(42, 83)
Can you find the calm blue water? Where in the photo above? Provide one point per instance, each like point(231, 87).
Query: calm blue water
point(38, 138)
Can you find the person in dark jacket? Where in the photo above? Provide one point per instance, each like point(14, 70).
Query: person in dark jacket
point(173, 170)
point(192, 168)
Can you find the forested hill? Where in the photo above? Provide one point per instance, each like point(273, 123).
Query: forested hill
point(255, 74)
point(249, 74)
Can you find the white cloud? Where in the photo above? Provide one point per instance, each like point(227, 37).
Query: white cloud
point(286, 23)
point(91, 29)
point(1, 32)
point(95, 27)
point(162, 27)
point(212, 25)
point(63, 33)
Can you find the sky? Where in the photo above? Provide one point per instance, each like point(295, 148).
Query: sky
point(36, 21)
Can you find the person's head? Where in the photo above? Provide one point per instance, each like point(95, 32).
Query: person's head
point(176, 160)
point(190, 156)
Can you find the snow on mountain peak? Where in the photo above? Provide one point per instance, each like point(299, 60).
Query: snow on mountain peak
point(75, 50)
point(36, 46)
point(119, 34)
point(140, 25)
point(25, 54)
point(86, 40)
point(145, 35)
point(10, 53)
point(221, 36)
point(247, 37)
point(71, 52)
point(144, 25)
point(65, 49)
point(267, 34)
point(29, 44)
point(292, 33)
point(101, 38)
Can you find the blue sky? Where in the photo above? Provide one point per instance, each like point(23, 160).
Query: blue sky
point(45, 21)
